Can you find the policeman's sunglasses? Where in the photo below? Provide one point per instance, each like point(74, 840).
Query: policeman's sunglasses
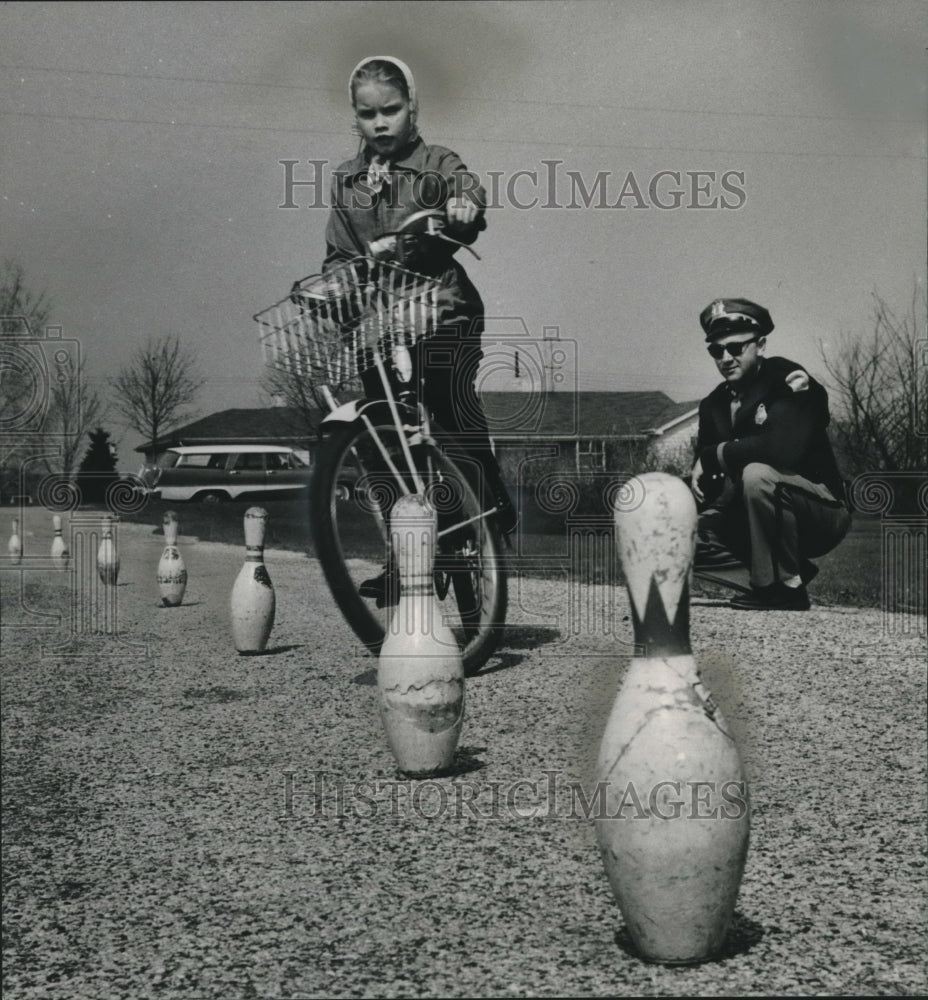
point(735, 349)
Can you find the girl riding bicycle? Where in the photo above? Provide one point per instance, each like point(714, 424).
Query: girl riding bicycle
point(394, 175)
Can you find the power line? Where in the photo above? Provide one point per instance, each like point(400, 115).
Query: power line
point(522, 101)
point(546, 143)
point(171, 122)
point(167, 78)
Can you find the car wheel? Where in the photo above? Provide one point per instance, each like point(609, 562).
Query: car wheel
point(212, 497)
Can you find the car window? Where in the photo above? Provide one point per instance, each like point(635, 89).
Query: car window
point(218, 461)
point(249, 461)
point(199, 460)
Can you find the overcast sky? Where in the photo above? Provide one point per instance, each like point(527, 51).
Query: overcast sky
point(141, 177)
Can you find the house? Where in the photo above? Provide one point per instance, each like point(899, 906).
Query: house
point(583, 432)
point(281, 425)
point(590, 432)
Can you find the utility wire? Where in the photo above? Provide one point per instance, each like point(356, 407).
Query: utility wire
point(522, 101)
point(546, 143)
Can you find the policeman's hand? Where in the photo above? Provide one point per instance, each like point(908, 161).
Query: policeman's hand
point(694, 482)
point(461, 212)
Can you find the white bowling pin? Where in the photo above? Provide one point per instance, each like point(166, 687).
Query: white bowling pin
point(172, 573)
point(107, 556)
point(420, 677)
point(60, 555)
point(253, 600)
point(15, 544)
point(674, 828)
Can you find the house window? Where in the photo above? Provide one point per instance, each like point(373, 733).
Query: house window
point(591, 455)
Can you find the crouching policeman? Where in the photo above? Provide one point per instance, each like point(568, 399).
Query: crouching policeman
point(766, 479)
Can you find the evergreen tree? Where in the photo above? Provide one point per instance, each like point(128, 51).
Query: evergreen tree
point(98, 468)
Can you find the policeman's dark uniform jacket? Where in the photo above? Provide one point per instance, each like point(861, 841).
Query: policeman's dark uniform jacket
point(780, 421)
point(769, 476)
point(363, 209)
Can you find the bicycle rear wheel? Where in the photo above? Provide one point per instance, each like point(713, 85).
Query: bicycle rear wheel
point(353, 491)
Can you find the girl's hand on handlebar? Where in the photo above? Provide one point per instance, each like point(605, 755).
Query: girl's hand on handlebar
point(461, 213)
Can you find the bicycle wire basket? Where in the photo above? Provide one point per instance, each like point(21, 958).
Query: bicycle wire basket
point(323, 333)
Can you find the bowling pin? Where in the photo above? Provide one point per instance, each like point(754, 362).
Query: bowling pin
point(674, 828)
point(420, 676)
point(172, 573)
point(107, 556)
point(15, 544)
point(253, 600)
point(60, 555)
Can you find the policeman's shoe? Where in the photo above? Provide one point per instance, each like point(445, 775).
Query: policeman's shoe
point(711, 554)
point(383, 589)
point(776, 597)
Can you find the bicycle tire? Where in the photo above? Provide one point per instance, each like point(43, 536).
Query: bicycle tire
point(351, 544)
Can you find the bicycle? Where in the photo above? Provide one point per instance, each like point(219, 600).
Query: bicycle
point(367, 315)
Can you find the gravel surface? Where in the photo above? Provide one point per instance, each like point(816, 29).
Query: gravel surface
point(182, 821)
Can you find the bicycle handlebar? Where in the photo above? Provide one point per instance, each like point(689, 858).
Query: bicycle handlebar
point(428, 222)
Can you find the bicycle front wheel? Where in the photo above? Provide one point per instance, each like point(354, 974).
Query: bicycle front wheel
point(360, 472)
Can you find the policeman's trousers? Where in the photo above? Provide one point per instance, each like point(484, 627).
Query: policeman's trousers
point(773, 523)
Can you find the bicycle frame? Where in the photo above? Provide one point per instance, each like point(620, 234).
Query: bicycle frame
point(363, 316)
point(403, 418)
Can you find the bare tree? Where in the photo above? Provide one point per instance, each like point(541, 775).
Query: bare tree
point(24, 389)
point(879, 386)
point(74, 409)
point(153, 391)
point(16, 300)
point(285, 386)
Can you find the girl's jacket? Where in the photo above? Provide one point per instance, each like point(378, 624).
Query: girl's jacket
point(421, 177)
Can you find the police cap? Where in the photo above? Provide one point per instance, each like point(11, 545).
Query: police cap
point(724, 316)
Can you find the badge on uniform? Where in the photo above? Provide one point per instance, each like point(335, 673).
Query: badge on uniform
point(760, 415)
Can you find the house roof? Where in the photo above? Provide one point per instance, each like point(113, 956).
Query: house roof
point(584, 414)
point(510, 415)
point(267, 425)
point(675, 415)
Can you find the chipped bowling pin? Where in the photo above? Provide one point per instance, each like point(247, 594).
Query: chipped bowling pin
point(674, 828)
point(60, 554)
point(172, 573)
point(253, 600)
point(15, 545)
point(107, 557)
point(420, 676)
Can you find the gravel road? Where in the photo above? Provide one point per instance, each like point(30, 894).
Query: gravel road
point(182, 821)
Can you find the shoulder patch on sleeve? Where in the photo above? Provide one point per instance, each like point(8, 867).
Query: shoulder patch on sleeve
point(798, 380)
